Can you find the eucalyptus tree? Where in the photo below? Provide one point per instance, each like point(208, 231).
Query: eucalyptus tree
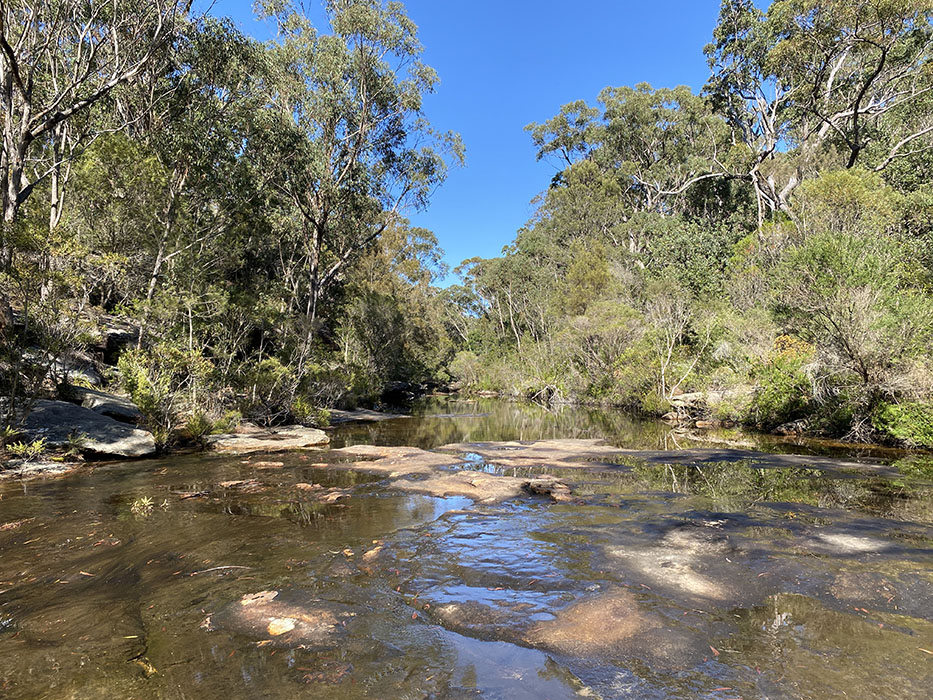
point(809, 79)
point(657, 143)
point(58, 58)
point(352, 148)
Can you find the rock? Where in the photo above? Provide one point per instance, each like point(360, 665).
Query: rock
point(65, 370)
point(694, 400)
point(56, 421)
point(549, 486)
point(707, 424)
point(18, 469)
point(361, 415)
point(248, 485)
point(292, 622)
point(293, 437)
point(613, 625)
point(414, 470)
point(797, 427)
point(119, 408)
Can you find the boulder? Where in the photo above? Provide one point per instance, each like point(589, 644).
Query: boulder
point(546, 485)
point(292, 437)
point(797, 427)
point(56, 421)
point(63, 370)
point(694, 400)
point(119, 408)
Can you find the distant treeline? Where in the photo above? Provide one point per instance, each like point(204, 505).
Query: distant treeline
point(766, 244)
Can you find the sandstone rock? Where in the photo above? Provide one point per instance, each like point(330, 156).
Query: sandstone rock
point(119, 408)
point(18, 469)
point(64, 370)
point(288, 622)
point(797, 427)
point(549, 486)
point(56, 421)
point(293, 437)
point(707, 424)
point(694, 400)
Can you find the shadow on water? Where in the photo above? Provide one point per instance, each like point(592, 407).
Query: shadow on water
point(286, 576)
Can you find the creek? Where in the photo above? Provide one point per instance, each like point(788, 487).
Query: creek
point(304, 575)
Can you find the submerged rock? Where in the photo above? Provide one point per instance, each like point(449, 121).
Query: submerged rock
point(19, 469)
point(58, 421)
point(361, 415)
point(414, 470)
point(292, 437)
point(268, 615)
point(613, 625)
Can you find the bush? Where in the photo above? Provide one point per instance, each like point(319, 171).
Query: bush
point(306, 413)
point(784, 390)
point(198, 426)
point(466, 368)
point(164, 382)
point(270, 388)
point(27, 451)
point(908, 423)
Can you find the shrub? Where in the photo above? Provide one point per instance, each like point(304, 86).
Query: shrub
point(27, 451)
point(163, 382)
point(784, 391)
point(306, 413)
point(198, 426)
point(909, 423)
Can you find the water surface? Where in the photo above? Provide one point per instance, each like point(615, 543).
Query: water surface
point(666, 581)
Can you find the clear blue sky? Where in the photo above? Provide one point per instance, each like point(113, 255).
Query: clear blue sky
point(506, 63)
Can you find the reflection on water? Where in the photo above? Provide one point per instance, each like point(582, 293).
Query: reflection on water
point(197, 577)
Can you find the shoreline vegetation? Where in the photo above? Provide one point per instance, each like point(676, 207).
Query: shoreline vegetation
point(202, 231)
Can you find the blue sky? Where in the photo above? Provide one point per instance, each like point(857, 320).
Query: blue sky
point(506, 63)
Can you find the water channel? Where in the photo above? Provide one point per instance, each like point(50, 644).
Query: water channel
point(293, 576)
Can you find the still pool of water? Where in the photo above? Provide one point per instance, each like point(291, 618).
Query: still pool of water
point(137, 580)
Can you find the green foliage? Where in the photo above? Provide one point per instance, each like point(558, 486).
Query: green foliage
point(7, 435)
point(198, 426)
point(307, 414)
point(77, 443)
point(165, 382)
point(693, 253)
point(268, 390)
point(854, 297)
point(908, 423)
point(27, 451)
point(783, 392)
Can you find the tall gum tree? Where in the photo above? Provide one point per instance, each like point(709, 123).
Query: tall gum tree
point(58, 58)
point(352, 148)
point(816, 79)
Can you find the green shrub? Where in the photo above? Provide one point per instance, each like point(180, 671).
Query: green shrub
point(198, 426)
point(165, 382)
point(270, 388)
point(27, 451)
point(908, 423)
point(466, 368)
point(784, 392)
point(307, 413)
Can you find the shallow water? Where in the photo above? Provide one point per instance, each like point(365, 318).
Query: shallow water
point(133, 580)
